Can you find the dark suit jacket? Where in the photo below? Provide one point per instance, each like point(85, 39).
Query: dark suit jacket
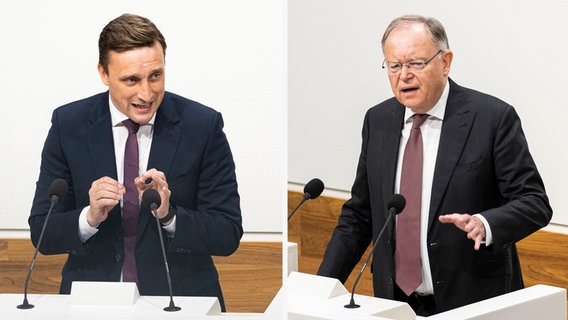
point(190, 147)
point(483, 166)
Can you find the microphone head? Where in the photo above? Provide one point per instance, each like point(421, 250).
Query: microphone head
point(397, 202)
point(58, 188)
point(151, 198)
point(313, 188)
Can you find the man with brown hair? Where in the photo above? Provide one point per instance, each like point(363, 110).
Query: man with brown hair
point(102, 146)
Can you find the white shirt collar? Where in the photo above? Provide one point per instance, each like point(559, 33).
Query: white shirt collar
point(439, 109)
point(117, 117)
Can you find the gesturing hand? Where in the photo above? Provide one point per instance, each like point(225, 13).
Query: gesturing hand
point(467, 223)
point(104, 194)
point(155, 179)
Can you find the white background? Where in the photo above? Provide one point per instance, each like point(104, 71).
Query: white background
point(232, 56)
point(229, 55)
point(515, 50)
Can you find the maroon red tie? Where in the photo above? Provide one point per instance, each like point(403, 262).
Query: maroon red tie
point(408, 268)
point(130, 203)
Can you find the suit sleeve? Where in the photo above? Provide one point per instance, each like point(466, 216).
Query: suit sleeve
point(214, 226)
point(526, 208)
point(61, 233)
point(353, 232)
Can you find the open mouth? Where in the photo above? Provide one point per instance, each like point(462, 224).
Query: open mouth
point(141, 106)
point(407, 90)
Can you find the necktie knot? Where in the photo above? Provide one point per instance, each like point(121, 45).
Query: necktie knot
point(131, 126)
point(418, 120)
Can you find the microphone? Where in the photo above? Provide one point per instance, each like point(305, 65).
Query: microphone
point(396, 204)
point(312, 190)
point(151, 199)
point(57, 191)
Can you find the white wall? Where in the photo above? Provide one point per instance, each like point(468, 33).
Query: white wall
point(515, 50)
point(223, 53)
point(232, 55)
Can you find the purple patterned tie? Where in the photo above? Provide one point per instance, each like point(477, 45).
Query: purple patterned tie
point(130, 203)
point(408, 269)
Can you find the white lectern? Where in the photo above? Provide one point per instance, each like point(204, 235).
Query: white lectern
point(311, 297)
point(314, 298)
point(537, 302)
point(110, 301)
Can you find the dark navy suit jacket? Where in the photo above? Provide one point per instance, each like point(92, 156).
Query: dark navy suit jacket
point(189, 146)
point(483, 166)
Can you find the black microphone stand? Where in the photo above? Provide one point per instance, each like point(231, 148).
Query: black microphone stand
point(25, 304)
point(172, 307)
point(352, 304)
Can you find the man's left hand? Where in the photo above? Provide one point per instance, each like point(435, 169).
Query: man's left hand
point(154, 179)
point(468, 223)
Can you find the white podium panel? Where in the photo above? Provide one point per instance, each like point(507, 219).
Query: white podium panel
point(537, 302)
point(277, 307)
point(304, 284)
point(57, 307)
point(311, 297)
point(292, 252)
point(103, 293)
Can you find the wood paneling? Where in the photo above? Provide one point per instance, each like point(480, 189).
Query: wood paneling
point(543, 255)
point(250, 278)
point(15, 258)
point(544, 259)
point(311, 228)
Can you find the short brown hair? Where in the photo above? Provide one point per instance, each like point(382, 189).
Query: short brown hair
point(125, 33)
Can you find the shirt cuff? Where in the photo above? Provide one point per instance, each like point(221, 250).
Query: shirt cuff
point(85, 230)
point(488, 235)
point(171, 228)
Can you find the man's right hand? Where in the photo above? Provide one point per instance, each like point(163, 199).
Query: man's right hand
point(104, 194)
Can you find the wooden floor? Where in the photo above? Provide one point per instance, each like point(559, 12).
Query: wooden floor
point(543, 255)
point(250, 278)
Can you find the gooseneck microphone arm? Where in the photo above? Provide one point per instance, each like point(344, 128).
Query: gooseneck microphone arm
point(396, 205)
point(152, 200)
point(298, 206)
point(57, 191)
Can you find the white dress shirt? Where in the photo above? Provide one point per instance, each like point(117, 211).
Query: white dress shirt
point(120, 134)
point(431, 131)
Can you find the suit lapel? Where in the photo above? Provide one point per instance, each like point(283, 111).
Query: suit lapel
point(456, 128)
point(391, 144)
point(165, 141)
point(100, 145)
point(100, 140)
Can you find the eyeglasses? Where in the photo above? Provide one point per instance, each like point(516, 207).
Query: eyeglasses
point(417, 65)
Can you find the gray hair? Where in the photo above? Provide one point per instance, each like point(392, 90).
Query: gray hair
point(434, 27)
